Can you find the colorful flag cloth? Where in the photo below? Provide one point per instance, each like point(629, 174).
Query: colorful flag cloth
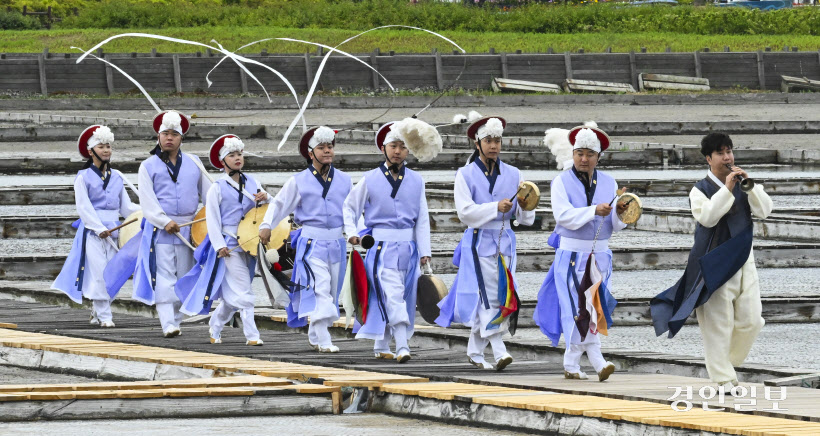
point(507, 296)
point(591, 286)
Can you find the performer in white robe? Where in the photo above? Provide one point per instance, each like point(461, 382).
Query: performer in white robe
point(101, 198)
point(393, 200)
point(223, 271)
point(581, 198)
point(485, 200)
point(720, 282)
point(315, 196)
point(172, 183)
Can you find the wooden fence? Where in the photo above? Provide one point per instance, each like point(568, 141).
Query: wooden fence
point(46, 73)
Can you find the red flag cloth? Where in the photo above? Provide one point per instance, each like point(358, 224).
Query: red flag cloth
point(360, 283)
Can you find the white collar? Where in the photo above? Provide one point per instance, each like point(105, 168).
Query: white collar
point(715, 178)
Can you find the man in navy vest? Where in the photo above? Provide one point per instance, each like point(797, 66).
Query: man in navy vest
point(720, 282)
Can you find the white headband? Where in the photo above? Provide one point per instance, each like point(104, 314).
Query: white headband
point(102, 135)
point(171, 121)
point(322, 135)
point(492, 127)
point(586, 138)
point(229, 146)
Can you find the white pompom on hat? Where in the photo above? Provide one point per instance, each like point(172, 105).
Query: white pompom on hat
point(93, 136)
point(422, 139)
point(591, 138)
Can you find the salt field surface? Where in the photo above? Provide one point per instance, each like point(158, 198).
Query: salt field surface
point(790, 345)
point(774, 282)
point(445, 176)
point(363, 424)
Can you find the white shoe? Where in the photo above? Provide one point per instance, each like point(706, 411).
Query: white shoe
point(314, 346)
point(730, 387)
point(503, 362)
point(172, 332)
point(93, 320)
point(480, 364)
point(606, 371)
point(384, 355)
point(214, 339)
point(255, 343)
point(107, 324)
point(328, 349)
point(580, 375)
point(403, 356)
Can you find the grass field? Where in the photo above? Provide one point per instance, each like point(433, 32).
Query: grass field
point(401, 41)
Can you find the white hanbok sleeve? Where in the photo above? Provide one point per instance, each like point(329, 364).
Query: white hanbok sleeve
point(566, 215)
point(151, 209)
point(422, 230)
point(524, 217)
point(213, 218)
point(85, 209)
point(469, 212)
point(354, 207)
point(708, 212)
point(282, 205)
point(760, 202)
point(617, 224)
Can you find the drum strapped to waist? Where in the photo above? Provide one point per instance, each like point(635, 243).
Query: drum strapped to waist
point(248, 231)
point(131, 230)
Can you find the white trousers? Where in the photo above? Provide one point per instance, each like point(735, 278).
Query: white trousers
point(326, 310)
point(223, 314)
point(489, 270)
point(237, 295)
point(392, 284)
point(102, 310)
point(730, 321)
point(590, 345)
point(173, 262)
point(97, 254)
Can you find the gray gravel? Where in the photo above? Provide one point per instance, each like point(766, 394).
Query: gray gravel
point(788, 345)
point(367, 424)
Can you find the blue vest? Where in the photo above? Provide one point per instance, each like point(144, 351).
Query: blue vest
point(485, 189)
point(392, 204)
point(180, 198)
point(103, 195)
point(603, 190)
point(235, 205)
point(321, 202)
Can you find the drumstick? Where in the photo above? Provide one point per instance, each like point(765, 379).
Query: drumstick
point(191, 222)
point(112, 230)
point(251, 239)
point(184, 241)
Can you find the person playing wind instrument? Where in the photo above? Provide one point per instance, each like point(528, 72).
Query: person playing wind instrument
point(483, 294)
point(101, 199)
point(575, 298)
point(394, 203)
point(315, 196)
point(224, 270)
point(172, 183)
point(720, 283)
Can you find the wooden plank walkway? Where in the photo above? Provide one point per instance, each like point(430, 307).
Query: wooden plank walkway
point(287, 355)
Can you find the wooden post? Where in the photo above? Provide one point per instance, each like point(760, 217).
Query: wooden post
point(669, 49)
point(633, 69)
point(492, 50)
point(439, 72)
point(308, 71)
point(761, 76)
point(698, 72)
point(374, 62)
point(109, 76)
point(580, 50)
point(41, 63)
point(46, 53)
point(264, 52)
point(726, 48)
point(568, 64)
point(243, 81)
point(643, 49)
point(608, 50)
point(154, 52)
point(550, 50)
point(177, 74)
point(504, 65)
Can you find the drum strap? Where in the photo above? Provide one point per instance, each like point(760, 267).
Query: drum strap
point(377, 286)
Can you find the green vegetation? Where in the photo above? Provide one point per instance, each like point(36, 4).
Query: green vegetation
point(401, 41)
point(429, 14)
